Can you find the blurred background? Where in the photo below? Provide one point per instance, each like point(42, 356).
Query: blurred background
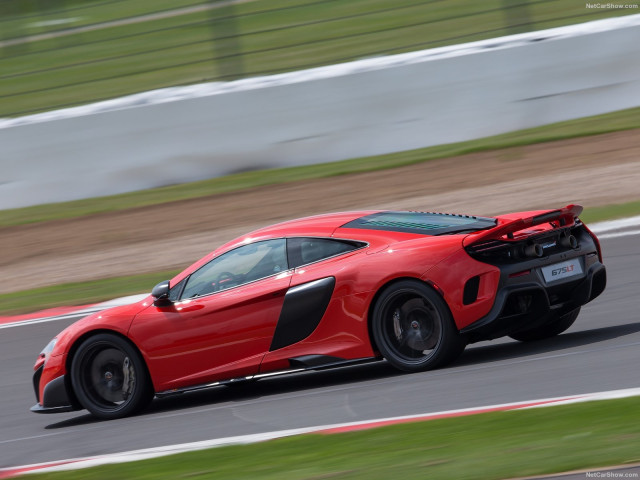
point(244, 134)
point(102, 201)
point(62, 53)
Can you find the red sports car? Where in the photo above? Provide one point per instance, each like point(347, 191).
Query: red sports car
point(411, 287)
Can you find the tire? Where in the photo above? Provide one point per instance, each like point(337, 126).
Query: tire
point(109, 377)
point(550, 329)
point(413, 327)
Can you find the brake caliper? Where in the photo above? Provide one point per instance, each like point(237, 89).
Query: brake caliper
point(129, 379)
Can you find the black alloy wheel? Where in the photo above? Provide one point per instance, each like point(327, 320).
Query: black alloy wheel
point(413, 328)
point(109, 377)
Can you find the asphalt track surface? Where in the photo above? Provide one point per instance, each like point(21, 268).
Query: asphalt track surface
point(600, 352)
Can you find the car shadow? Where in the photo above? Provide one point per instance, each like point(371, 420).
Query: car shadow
point(484, 353)
point(83, 418)
point(251, 390)
point(299, 382)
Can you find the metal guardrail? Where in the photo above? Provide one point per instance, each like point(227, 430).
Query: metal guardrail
point(62, 53)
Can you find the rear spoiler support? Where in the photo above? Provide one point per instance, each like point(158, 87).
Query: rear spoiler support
point(564, 217)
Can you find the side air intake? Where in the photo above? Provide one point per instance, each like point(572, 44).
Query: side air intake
point(470, 293)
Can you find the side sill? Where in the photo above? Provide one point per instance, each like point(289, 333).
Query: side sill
point(298, 367)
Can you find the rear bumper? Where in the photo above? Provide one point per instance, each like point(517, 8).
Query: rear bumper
point(527, 302)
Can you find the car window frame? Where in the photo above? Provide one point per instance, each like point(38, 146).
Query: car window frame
point(362, 243)
point(185, 280)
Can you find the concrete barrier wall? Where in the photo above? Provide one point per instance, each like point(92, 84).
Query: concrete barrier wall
point(368, 107)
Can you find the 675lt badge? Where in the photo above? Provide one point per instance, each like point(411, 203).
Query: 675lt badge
point(562, 270)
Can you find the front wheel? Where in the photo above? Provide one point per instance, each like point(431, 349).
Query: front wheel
point(109, 377)
point(556, 326)
point(413, 328)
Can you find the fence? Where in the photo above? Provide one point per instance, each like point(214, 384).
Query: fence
point(61, 53)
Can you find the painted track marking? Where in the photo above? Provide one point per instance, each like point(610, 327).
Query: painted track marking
point(78, 463)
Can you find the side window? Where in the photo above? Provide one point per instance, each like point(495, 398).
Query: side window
point(176, 290)
point(308, 250)
point(241, 265)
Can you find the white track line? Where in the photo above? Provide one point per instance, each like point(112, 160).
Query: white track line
point(33, 321)
point(627, 233)
point(78, 313)
point(610, 225)
point(134, 455)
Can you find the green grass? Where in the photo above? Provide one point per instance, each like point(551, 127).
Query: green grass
point(20, 18)
point(79, 293)
point(623, 120)
point(266, 37)
point(611, 212)
point(487, 446)
point(82, 293)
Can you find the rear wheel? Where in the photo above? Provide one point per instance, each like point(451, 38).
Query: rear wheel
point(556, 326)
point(413, 328)
point(109, 377)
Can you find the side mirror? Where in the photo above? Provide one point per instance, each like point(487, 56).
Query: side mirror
point(161, 294)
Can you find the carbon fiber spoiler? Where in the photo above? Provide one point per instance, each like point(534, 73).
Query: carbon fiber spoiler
point(564, 217)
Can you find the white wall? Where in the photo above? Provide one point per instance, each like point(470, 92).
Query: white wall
point(332, 113)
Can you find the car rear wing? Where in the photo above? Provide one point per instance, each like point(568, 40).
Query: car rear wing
point(563, 217)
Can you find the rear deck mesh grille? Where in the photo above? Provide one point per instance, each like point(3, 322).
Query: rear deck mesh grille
point(423, 223)
point(382, 223)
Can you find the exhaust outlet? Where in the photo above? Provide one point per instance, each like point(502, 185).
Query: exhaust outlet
point(534, 250)
point(569, 242)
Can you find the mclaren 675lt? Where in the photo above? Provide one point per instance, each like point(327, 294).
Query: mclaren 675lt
point(411, 287)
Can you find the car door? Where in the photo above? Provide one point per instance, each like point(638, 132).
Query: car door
point(222, 321)
point(318, 263)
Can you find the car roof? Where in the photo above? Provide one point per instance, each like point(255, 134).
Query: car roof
point(315, 226)
point(366, 224)
point(362, 225)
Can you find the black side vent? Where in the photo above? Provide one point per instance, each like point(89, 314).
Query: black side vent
point(470, 293)
point(303, 308)
point(36, 382)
